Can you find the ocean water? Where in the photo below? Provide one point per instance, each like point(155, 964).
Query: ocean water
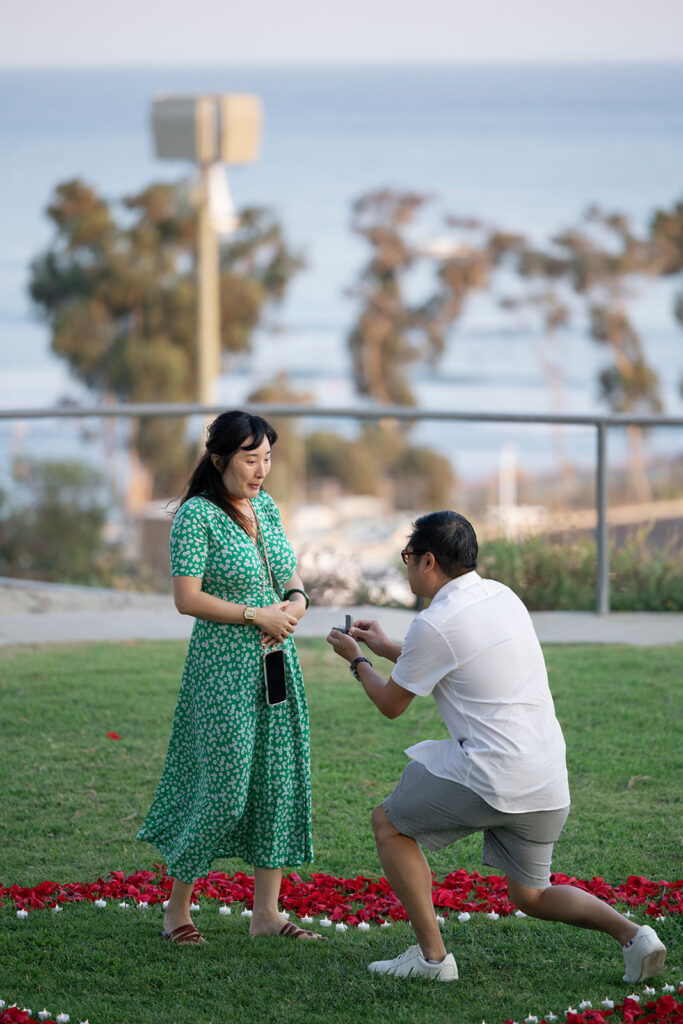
point(527, 148)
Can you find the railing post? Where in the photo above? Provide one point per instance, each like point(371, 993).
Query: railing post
point(602, 531)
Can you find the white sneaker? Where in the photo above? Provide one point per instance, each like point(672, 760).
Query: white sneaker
point(412, 964)
point(645, 956)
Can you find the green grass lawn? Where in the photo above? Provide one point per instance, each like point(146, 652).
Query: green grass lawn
point(72, 801)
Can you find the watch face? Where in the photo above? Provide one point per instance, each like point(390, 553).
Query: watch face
point(249, 613)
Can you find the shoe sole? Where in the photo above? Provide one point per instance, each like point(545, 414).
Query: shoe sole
point(416, 974)
point(652, 964)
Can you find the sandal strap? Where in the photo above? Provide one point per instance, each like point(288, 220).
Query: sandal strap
point(186, 933)
point(292, 931)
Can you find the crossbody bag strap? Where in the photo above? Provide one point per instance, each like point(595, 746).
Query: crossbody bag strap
point(271, 578)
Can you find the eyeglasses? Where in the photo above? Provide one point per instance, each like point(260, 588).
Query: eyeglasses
point(406, 552)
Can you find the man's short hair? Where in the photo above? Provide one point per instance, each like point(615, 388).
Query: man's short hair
point(450, 538)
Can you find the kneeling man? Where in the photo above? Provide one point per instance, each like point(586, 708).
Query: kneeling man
point(501, 772)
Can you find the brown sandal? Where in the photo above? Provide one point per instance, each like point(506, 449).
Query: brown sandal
point(292, 931)
point(185, 935)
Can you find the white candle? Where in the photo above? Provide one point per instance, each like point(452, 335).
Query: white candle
point(100, 903)
point(22, 914)
point(194, 907)
point(325, 922)
point(607, 1004)
point(43, 1014)
point(440, 920)
point(492, 915)
point(585, 1004)
point(385, 924)
point(224, 910)
point(62, 1018)
point(463, 917)
point(56, 909)
point(307, 919)
point(519, 913)
point(340, 927)
point(247, 913)
point(363, 926)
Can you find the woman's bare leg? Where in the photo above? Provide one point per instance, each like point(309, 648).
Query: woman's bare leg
point(266, 918)
point(178, 907)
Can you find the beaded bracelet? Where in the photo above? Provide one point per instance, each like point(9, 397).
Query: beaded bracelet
point(296, 590)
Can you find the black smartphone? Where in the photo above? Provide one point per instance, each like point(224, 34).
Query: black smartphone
point(276, 681)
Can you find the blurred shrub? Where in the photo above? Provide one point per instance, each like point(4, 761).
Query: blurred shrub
point(329, 456)
point(52, 524)
point(560, 576)
point(416, 476)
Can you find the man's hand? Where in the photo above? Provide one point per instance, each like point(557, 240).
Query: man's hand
point(390, 698)
point(344, 645)
point(369, 632)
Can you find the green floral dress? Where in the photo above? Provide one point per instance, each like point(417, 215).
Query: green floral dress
point(237, 778)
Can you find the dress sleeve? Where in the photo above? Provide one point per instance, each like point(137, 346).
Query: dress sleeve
point(269, 510)
point(280, 552)
point(189, 542)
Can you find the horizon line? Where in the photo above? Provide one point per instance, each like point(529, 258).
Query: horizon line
point(264, 64)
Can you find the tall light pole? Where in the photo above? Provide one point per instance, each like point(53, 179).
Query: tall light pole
point(210, 131)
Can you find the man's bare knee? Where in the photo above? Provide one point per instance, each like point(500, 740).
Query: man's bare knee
point(524, 898)
point(381, 825)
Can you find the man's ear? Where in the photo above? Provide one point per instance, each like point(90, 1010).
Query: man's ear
point(429, 561)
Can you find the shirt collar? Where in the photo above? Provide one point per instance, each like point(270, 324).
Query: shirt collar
point(468, 579)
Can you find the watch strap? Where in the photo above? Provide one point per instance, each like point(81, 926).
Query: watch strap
point(353, 667)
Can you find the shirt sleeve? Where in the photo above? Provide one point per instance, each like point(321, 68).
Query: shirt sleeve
point(425, 659)
point(189, 544)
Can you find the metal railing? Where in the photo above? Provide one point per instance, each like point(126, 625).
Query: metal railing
point(601, 423)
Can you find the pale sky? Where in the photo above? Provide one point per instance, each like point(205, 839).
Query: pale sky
point(78, 33)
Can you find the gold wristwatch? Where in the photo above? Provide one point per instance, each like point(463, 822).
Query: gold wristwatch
point(249, 614)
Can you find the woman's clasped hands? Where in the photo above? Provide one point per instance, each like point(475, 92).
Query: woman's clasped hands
point(277, 622)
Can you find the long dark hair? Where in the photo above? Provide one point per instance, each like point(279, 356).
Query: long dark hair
point(226, 435)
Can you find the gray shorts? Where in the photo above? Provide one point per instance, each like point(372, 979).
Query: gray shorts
point(436, 812)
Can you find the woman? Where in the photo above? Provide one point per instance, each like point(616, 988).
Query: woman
point(236, 782)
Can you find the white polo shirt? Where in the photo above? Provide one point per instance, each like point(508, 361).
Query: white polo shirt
point(476, 651)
